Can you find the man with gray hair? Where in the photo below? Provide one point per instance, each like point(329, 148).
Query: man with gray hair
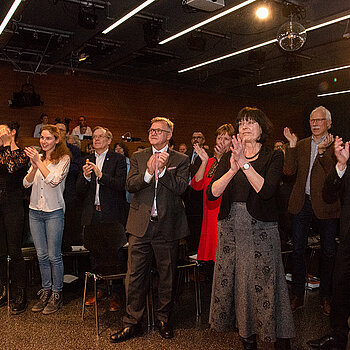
point(312, 159)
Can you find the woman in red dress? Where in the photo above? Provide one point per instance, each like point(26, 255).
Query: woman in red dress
point(207, 243)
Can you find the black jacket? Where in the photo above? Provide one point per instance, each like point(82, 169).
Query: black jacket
point(112, 190)
point(263, 205)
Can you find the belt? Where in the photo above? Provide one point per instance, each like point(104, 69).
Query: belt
point(153, 218)
point(97, 207)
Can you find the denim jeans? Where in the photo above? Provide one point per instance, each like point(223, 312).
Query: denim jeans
point(327, 230)
point(47, 232)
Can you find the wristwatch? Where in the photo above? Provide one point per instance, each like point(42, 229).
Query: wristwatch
point(246, 166)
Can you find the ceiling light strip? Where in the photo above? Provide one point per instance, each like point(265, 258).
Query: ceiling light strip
point(9, 15)
point(304, 75)
point(127, 16)
point(228, 55)
point(334, 93)
point(209, 20)
point(336, 20)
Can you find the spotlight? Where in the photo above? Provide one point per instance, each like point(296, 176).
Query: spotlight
point(87, 17)
point(262, 12)
point(83, 56)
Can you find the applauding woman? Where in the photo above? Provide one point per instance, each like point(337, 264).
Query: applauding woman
point(47, 176)
point(207, 243)
point(249, 286)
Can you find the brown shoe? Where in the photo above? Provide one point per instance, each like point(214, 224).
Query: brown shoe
point(114, 303)
point(296, 303)
point(92, 300)
point(326, 306)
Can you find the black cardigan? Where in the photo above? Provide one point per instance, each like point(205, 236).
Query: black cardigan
point(263, 205)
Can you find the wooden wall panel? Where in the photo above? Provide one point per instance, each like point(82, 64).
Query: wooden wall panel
point(129, 107)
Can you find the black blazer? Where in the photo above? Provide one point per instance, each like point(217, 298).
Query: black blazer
point(263, 205)
point(170, 208)
point(112, 190)
point(334, 187)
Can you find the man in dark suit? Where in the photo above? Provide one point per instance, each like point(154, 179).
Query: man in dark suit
point(338, 182)
point(194, 199)
point(312, 159)
point(157, 177)
point(102, 187)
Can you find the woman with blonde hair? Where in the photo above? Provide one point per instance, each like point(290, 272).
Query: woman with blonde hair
point(47, 176)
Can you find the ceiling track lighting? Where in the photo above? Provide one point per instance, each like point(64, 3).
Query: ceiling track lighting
point(334, 93)
point(9, 14)
point(127, 16)
point(272, 41)
point(304, 75)
point(209, 20)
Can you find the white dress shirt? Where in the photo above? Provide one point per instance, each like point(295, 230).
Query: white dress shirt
point(47, 194)
point(76, 131)
point(100, 159)
point(148, 177)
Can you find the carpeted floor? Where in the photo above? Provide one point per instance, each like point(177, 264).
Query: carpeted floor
point(66, 330)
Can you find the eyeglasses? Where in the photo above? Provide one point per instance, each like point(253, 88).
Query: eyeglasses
point(157, 131)
point(317, 121)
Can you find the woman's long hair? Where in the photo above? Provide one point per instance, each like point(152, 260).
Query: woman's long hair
point(61, 148)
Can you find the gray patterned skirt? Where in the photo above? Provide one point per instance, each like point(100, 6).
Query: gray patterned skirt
point(249, 286)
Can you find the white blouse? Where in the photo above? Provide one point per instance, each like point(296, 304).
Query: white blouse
point(47, 194)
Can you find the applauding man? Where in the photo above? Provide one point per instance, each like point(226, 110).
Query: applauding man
point(158, 177)
point(312, 159)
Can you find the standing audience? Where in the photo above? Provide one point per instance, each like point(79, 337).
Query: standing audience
point(47, 176)
point(312, 159)
point(158, 177)
point(200, 182)
point(338, 183)
point(44, 120)
point(13, 167)
point(249, 287)
point(101, 185)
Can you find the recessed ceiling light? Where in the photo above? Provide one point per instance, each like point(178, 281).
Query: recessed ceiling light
point(7, 18)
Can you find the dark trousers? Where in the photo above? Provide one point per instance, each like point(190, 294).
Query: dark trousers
point(11, 230)
point(341, 287)
point(104, 241)
point(141, 252)
point(327, 230)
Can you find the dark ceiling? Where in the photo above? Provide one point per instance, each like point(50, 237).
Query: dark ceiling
point(46, 36)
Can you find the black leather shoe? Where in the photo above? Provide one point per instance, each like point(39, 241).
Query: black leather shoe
point(250, 343)
point(328, 341)
point(165, 330)
point(20, 303)
point(124, 334)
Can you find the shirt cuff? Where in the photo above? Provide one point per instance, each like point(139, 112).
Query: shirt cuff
point(48, 178)
point(87, 178)
point(148, 177)
point(340, 172)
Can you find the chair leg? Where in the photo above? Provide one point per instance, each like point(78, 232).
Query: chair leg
point(96, 305)
point(8, 284)
point(84, 296)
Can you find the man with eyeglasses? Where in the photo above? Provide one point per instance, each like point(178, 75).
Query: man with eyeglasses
point(101, 185)
point(312, 159)
point(158, 177)
point(82, 130)
point(194, 199)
